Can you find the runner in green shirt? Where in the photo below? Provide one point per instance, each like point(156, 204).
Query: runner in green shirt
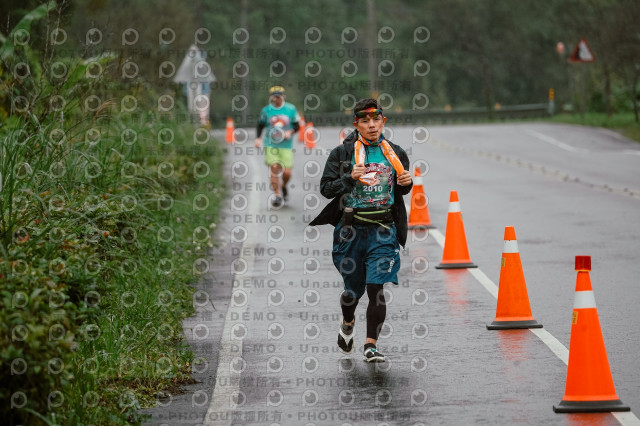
point(281, 121)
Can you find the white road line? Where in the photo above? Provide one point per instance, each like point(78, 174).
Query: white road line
point(227, 383)
point(437, 235)
point(554, 344)
point(485, 281)
point(553, 141)
point(560, 350)
point(627, 418)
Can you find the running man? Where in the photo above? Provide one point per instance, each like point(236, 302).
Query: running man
point(366, 177)
point(281, 120)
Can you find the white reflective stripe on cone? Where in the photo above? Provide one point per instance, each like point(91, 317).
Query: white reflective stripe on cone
point(454, 207)
point(510, 246)
point(417, 180)
point(584, 299)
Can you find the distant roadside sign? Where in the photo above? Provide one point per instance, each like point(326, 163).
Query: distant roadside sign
point(194, 68)
point(196, 75)
point(582, 52)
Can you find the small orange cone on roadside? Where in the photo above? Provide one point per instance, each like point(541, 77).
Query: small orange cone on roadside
point(341, 137)
point(230, 136)
point(303, 126)
point(455, 254)
point(513, 310)
point(419, 211)
point(589, 387)
point(309, 136)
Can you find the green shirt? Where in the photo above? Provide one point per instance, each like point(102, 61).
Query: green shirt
point(379, 174)
point(276, 122)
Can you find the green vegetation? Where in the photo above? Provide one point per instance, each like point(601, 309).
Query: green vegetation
point(624, 123)
point(105, 213)
point(107, 203)
point(479, 52)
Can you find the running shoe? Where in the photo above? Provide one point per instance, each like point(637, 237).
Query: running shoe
point(345, 341)
point(277, 201)
point(285, 193)
point(372, 355)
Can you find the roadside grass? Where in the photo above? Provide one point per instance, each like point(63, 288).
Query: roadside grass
point(623, 123)
point(105, 219)
point(141, 356)
point(101, 232)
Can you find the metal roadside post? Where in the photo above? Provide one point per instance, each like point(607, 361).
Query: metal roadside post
point(567, 100)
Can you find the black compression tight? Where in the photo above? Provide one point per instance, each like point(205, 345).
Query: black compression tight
point(376, 311)
point(348, 305)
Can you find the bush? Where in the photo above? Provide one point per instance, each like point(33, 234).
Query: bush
point(98, 239)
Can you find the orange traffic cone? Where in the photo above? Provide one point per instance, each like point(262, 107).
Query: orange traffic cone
point(303, 126)
point(309, 136)
point(589, 387)
point(455, 254)
point(341, 137)
point(419, 212)
point(513, 310)
point(230, 136)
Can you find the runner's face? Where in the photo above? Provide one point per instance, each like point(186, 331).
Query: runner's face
point(370, 127)
point(277, 100)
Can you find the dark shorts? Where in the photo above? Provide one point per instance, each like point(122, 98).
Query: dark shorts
point(370, 255)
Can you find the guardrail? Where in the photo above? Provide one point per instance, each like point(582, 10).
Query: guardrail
point(506, 112)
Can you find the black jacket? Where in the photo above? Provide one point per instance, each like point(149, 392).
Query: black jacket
point(336, 183)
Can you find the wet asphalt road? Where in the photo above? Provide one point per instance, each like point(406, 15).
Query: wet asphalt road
point(267, 343)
